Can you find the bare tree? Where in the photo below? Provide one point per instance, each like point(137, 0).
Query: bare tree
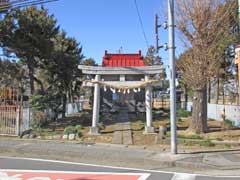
point(206, 29)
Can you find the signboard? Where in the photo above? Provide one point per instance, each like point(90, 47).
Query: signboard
point(61, 175)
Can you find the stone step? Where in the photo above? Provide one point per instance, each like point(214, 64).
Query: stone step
point(127, 137)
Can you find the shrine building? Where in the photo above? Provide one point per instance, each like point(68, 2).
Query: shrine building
point(123, 80)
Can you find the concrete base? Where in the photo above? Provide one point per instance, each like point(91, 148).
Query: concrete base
point(149, 130)
point(94, 131)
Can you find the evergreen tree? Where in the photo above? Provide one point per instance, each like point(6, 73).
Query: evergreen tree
point(62, 73)
point(29, 34)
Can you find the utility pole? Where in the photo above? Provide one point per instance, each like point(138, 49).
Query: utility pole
point(171, 48)
point(236, 55)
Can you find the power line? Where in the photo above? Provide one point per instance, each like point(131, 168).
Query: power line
point(141, 23)
point(15, 4)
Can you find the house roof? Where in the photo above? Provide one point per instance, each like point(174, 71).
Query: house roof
point(122, 60)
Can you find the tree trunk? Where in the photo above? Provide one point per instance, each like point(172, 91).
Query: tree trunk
point(218, 84)
point(223, 94)
point(64, 103)
point(237, 98)
point(199, 114)
point(40, 83)
point(31, 78)
point(185, 97)
point(209, 91)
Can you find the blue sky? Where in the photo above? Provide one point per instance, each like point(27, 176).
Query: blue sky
point(101, 25)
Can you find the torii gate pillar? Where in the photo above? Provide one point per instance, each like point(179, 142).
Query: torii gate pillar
point(148, 102)
point(96, 107)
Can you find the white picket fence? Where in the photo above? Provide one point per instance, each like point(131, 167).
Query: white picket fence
point(215, 111)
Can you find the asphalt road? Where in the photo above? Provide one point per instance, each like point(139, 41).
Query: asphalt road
point(15, 166)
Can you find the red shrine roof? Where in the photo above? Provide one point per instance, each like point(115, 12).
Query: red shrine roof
point(123, 60)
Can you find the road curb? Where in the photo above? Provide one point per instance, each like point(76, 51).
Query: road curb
point(148, 160)
point(71, 156)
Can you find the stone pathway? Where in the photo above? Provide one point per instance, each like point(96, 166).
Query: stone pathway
point(122, 130)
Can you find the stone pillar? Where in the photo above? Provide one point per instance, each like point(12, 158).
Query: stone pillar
point(148, 103)
point(96, 107)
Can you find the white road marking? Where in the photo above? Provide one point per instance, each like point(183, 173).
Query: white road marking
point(4, 176)
point(144, 176)
point(86, 164)
point(183, 176)
point(104, 166)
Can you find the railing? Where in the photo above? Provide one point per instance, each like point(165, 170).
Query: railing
point(10, 120)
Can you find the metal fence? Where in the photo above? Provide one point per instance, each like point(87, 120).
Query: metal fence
point(15, 119)
point(10, 117)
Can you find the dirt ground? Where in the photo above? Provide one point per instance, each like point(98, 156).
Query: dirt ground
point(217, 130)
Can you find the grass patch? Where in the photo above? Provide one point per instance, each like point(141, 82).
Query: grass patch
point(181, 113)
point(207, 143)
point(229, 123)
point(73, 130)
point(227, 146)
point(70, 130)
point(179, 120)
point(194, 136)
point(46, 132)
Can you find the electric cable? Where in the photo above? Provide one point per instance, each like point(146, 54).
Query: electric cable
point(141, 23)
point(12, 5)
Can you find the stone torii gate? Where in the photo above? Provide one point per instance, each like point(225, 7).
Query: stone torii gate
point(146, 74)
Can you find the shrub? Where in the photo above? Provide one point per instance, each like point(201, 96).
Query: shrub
point(70, 130)
point(101, 125)
point(78, 127)
point(179, 120)
point(73, 130)
point(228, 123)
point(38, 119)
point(207, 143)
point(183, 113)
